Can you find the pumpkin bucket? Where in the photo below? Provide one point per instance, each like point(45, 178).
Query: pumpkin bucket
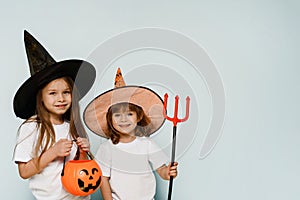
point(81, 177)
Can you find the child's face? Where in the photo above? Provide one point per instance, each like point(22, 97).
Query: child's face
point(125, 121)
point(57, 98)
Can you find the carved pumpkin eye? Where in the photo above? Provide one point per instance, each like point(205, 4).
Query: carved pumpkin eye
point(94, 170)
point(84, 171)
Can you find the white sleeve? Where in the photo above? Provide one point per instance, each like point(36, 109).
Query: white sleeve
point(103, 158)
point(25, 142)
point(157, 156)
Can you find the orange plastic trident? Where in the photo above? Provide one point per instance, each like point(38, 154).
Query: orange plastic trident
point(175, 120)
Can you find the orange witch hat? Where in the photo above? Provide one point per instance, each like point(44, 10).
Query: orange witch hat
point(94, 115)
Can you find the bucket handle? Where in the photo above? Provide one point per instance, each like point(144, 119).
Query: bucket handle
point(90, 155)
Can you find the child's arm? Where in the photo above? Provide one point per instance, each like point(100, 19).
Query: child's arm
point(105, 188)
point(36, 165)
point(165, 172)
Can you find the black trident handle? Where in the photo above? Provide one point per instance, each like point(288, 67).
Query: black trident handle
point(172, 161)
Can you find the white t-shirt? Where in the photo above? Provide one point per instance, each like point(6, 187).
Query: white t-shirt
point(130, 167)
point(47, 184)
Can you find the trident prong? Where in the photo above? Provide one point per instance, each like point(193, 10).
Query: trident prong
point(175, 118)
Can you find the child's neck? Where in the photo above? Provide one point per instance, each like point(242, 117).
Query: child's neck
point(127, 138)
point(56, 120)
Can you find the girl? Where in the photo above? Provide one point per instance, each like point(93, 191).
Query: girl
point(127, 115)
point(48, 101)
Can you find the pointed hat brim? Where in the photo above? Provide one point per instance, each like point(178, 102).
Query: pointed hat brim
point(94, 114)
point(82, 72)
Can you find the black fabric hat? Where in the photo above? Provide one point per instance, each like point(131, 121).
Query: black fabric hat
point(44, 69)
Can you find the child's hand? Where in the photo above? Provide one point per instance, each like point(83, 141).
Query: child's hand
point(83, 144)
point(172, 170)
point(62, 147)
point(165, 172)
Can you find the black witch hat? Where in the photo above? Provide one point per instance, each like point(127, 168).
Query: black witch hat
point(44, 69)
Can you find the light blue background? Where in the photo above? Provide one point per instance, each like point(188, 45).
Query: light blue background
point(255, 47)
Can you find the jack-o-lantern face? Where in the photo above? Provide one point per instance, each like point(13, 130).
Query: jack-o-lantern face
point(89, 179)
point(81, 177)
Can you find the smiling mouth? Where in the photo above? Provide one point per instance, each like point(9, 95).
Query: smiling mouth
point(60, 106)
point(124, 125)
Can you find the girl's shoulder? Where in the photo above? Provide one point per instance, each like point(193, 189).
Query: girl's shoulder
point(106, 143)
point(27, 129)
point(32, 120)
point(29, 124)
point(105, 147)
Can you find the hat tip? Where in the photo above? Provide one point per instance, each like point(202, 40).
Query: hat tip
point(119, 81)
point(26, 33)
point(27, 37)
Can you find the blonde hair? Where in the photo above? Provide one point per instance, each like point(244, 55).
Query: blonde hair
point(46, 137)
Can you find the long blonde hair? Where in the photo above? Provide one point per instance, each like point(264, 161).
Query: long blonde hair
point(46, 137)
